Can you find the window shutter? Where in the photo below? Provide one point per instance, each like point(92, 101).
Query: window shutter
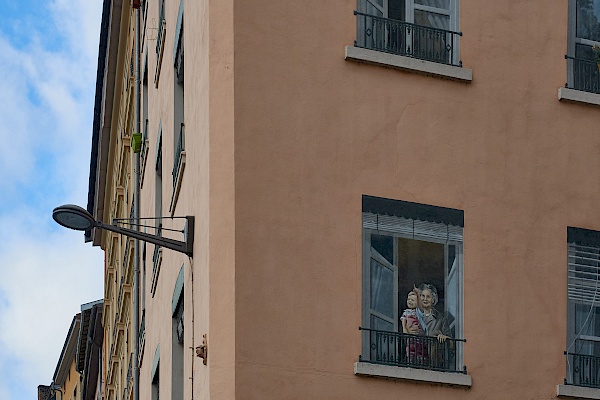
point(417, 229)
point(583, 274)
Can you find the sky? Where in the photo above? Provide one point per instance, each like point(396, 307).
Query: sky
point(48, 62)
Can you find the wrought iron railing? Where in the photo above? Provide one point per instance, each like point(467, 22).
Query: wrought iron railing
point(161, 24)
point(179, 147)
point(585, 75)
point(142, 337)
point(156, 260)
point(120, 296)
point(415, 351)
point(406, 39)
point(179, 67)
point(583, 370)
point(144, 148)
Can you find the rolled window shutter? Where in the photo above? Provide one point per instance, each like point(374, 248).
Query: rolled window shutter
point(583, 274)
point(417, 229)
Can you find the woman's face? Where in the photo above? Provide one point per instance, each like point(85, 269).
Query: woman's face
point(426, 299)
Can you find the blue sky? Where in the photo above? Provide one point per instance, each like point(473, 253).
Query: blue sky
point(48, 56)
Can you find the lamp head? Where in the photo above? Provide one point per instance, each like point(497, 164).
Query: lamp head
point(73, 217)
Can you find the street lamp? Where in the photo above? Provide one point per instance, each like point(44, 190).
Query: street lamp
point(77, 218)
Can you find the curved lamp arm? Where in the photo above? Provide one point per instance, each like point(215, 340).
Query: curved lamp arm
point(185, 247)
point(74, 217)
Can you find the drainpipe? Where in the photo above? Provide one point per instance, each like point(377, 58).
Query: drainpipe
point(136, 211)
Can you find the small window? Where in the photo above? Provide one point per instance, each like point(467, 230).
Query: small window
point(407, 245)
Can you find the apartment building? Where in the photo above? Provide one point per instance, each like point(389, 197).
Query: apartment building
point(76, 376)
point(335, 156)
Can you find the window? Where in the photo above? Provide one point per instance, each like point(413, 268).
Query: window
point(155, 374)
point(583, 290)
point(178, 107)
point(144, 150)
point(407, 244)
point(177, 339)
point(158, 195)
point(424, 29)
point(160, 39)
point(584, 33)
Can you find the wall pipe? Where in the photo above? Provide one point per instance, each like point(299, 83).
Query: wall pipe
point(136, 259)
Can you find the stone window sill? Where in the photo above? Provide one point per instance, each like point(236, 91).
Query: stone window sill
point(578, 96)
point(411, 374)
point(408, 64)
point(577, 392)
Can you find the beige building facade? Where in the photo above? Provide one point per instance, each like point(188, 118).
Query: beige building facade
point(335, 155)
point(77, 376)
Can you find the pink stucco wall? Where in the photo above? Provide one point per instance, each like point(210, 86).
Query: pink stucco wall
point(314, 132)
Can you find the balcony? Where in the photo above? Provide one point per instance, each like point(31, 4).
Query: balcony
point(586, 76)
point(142, 338)
point(178, 167)
point(179, 149)
point(583, 370)
point(161, 25)
point(160, 41)
point(156, 261)
point(413, 351)
point(406, 39)
point(144, 151)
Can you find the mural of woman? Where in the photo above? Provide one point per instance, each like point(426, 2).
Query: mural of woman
point(435, 322)
point(436, 325)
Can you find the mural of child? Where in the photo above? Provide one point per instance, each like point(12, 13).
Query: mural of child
point(413, 322)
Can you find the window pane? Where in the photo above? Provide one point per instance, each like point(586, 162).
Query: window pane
point(382, 289)
point(384, 246)
point(445, 4)
point(371, 10)
point(432, 20)
point(452, 289)
point(397, 10)
point(381, 325)
point(587, 323)
point(588, 19)
point(584, 51)
point(420, 262)
point(374, 7)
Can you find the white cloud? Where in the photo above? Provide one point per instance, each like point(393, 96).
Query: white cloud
point(47, 92)
point(46, 281)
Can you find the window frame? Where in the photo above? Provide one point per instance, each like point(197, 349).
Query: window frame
point(453, 12)
point(572, 41)
point(366, 282)
point(583, 249)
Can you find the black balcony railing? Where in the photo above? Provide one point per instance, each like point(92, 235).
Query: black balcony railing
point(583, 370)
point(161, 24)
point(179, 147)
point(405, 350)
point(585, 75)
point(142, 337)
point(406, 39)
point(144, 138)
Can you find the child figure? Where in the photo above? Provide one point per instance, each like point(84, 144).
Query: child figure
point(416, 350)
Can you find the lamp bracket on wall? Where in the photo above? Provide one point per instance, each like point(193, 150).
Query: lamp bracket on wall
point(75, 217)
